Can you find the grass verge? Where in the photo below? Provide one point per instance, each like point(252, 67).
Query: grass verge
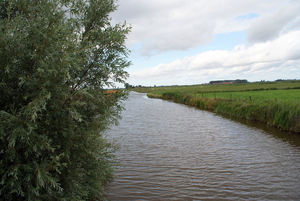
point(284, 115)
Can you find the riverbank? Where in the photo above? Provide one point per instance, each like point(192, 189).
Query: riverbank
point(280, 114)
point(275, 104)
point(172, 152)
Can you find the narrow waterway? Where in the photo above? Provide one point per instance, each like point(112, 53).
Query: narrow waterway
point(169, 151)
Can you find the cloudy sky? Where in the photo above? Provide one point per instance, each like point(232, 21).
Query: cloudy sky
point(176, 42)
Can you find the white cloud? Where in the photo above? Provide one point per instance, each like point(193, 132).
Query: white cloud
point(173, 30)
point(165, 25)
point(243, 61)
point(232, 25)
point(270, 25)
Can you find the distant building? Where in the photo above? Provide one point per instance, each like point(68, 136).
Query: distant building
point(227, 81)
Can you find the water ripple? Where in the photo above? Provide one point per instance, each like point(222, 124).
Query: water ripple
point(173, 152)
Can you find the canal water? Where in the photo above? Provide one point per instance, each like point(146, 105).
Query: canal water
point(169, 151)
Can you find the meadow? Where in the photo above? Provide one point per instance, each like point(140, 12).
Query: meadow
point(207, 88)
point(274, 103)
point(284, 95)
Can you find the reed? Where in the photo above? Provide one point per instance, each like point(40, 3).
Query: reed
point(273, 103)
point(284, 115)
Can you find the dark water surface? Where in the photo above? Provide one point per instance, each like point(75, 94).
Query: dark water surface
point(174, 152)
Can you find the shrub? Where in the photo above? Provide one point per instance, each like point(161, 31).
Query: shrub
point(56, 59)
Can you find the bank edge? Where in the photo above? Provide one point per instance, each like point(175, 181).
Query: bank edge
point(279, 114)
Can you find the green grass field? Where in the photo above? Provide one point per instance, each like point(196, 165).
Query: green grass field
point(259, 90)
point(284, 95)
point(274, 103)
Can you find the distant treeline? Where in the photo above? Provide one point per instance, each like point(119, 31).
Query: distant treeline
point(228, 81)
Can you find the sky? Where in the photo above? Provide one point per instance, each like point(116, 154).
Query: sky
point(176, 42)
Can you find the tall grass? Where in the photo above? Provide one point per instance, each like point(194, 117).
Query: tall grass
point(274, 103)
point(284, 115)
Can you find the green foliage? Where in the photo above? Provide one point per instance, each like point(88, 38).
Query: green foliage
point(286, 95)
point(274, 103)
point(208, 88)
point(168, 95)
point(56, 58)
point(284, 115)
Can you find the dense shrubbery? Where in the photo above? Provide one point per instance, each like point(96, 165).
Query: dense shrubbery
point(56, 58)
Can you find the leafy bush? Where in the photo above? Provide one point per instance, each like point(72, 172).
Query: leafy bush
point(56, 58)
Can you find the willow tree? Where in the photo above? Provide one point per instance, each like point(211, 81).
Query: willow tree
point(56, 59)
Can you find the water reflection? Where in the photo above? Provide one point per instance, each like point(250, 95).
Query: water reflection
point(174, 152)
point(292, 138)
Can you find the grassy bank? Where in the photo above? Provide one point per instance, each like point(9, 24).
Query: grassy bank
point(276, 104)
